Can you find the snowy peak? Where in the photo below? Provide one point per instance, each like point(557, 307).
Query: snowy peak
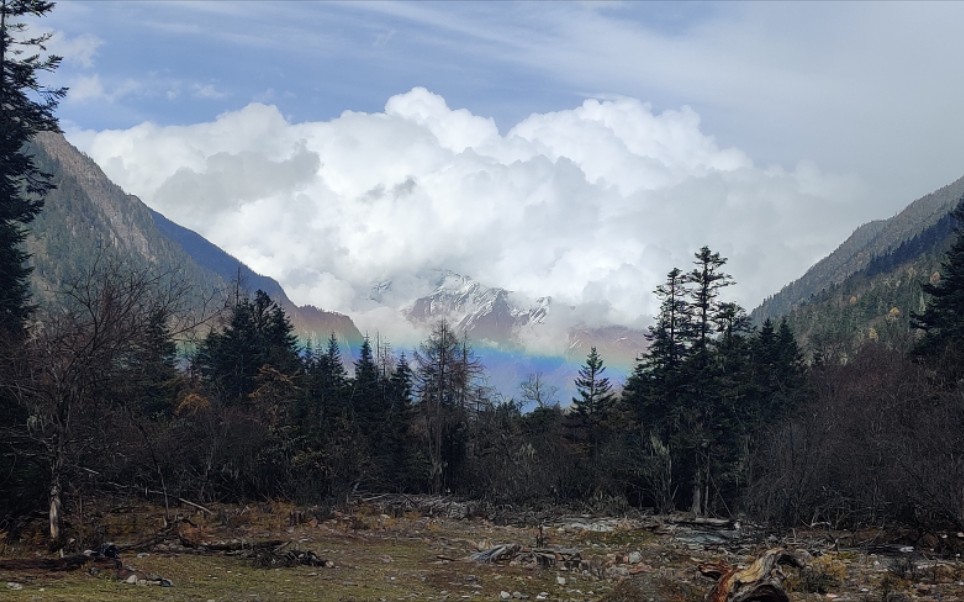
point(490, 314)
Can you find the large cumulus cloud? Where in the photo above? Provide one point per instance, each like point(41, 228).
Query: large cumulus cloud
point(591, 205)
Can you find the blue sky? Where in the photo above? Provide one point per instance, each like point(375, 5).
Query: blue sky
point(767, 130)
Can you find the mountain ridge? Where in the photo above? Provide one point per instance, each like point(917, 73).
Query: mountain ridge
point(87, 216)
point(875, 239)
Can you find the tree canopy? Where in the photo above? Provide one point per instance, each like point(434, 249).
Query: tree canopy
point(27, 108)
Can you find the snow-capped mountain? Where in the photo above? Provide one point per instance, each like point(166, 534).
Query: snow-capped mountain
point(497, 318)
point(490, 315)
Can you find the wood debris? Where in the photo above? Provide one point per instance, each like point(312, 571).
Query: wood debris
point(762, 581)
point(542, 557)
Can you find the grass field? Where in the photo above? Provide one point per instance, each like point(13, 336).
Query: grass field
point(374, 557)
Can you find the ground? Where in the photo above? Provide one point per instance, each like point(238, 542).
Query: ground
point(385, 552)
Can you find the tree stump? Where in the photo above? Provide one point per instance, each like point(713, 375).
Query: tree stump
point(762, 581)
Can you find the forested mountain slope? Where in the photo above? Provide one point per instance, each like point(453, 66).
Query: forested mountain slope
point(88, 218)
point(868, 288)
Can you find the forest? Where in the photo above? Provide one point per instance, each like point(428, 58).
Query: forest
point(718, 418)
point(122, 386)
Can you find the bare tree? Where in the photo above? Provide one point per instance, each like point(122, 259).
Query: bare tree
point(80, 360)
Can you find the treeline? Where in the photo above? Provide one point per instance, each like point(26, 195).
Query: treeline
point(718, 417)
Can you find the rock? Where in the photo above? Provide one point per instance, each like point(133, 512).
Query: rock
point(504, 595)
point(560, 580)
point(634, 557)
point(14, 585)
point(542, 596)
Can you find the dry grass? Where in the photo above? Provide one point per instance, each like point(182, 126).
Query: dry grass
point(410, 557)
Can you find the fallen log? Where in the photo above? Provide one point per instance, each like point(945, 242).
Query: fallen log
point(505, 551)
point(240, 545)
point(762, 581)
point(543, 557)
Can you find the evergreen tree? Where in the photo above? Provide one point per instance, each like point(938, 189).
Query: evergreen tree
point(592, 410)
point(27, 108)
point(653, 390)
point(399, 446)
point(371, 403)
point(154, 371)
point(257, 334)
point(331, 380)
point(942, 321)
point(706, 280)
point(595, 395)
point(367, 395)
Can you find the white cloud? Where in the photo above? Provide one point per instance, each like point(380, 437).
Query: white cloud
point(86, 88)
point(80, 49)
point(591, 205)
point(207, 92)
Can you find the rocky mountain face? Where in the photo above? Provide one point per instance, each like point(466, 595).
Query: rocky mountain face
point(867, 289)
point(489, 315)
point(88, 218)
point(496, 317)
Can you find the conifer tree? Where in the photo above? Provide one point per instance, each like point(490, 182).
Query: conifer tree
point(942, 321)
point(592, 410)
point(26, 108)
point(445, 386)
point(399, 444)
point(653, 389)
point(706, 280)
point(595, 394)
point(257, 334)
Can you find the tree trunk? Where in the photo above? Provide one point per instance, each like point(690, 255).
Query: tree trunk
point(762, 581)
point(697, 506)
point(55, 512)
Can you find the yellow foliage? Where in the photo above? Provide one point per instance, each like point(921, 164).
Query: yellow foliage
point(192, 403)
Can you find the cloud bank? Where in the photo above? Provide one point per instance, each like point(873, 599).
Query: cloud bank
point(591, 205)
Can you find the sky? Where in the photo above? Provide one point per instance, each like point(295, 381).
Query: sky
point(578, 150)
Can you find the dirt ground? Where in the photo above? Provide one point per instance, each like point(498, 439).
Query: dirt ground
point(376, 553)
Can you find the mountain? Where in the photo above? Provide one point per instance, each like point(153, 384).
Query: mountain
point(514, 336)
point(867, 289)
point(88, 218)
point(495, 317)
point(489, 315)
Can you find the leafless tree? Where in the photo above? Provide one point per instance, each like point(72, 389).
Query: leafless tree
point(79, 360)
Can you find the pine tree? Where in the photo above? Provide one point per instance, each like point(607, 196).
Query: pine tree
point(653, 389)
point(595, 394)
point(257, 334)
point(399, 446)
point(27, 108)
point(706, 280)
point(942, 320)
point(368, 395)
point(155, 376)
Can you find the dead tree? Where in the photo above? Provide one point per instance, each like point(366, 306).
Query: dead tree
point(762, 581)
